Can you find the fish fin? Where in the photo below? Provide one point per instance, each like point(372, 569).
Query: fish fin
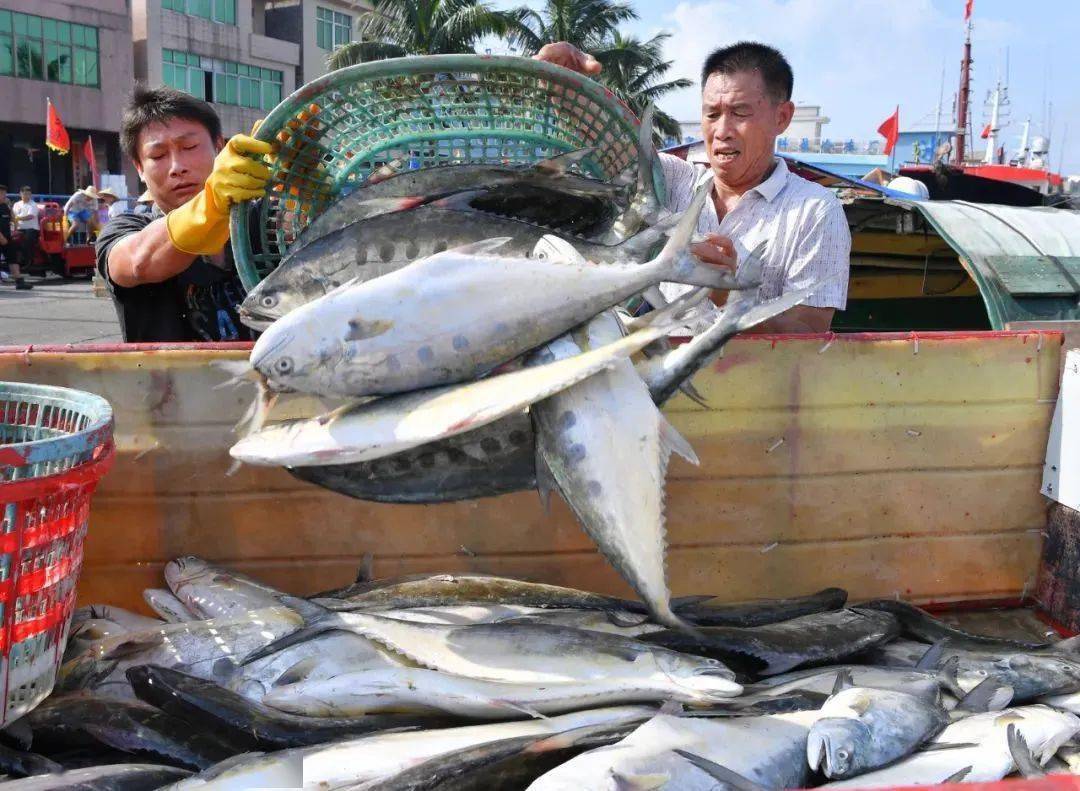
point(932, 657)
point(648, 159)
point(133, 647)
point(671, 708)
point(625, 619)
point(338, 412)
point(315, 623)
point(946, 676)
point(726, 777)
point(307, 609)
point(988, 695)
point(843, 681)
point(624, 782)
point(687, 389)
point(1070, 645)
point(297, 673)
point(1021, 753)
point(682, 602)
point(560, 164)
point(672, 314)
point(674, 442)
point(933, 748)
point(365, 573)
point(480, 248)
point(956, 777)
point(509, 704)
point(554, 248)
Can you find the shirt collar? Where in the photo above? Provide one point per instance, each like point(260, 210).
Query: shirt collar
point(770, 187)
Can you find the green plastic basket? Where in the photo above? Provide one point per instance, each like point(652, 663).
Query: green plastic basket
point(418, 113)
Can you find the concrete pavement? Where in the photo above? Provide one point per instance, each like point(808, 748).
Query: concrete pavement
point(56, 311)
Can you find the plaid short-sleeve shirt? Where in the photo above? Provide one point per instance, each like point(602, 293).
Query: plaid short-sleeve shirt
point(804, 224)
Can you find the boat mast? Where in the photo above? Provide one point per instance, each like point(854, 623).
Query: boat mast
point(991, 139)
point(962, 99)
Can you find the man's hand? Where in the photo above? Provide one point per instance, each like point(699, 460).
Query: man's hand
point(201, 226)
point(570, 57)
point(716, 250)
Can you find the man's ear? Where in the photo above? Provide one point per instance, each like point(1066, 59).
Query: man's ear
point(219, 142)
point(784, 113)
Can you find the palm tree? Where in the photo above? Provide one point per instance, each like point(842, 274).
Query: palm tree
point(583, 23)
point(635, 70)
point(396, 28)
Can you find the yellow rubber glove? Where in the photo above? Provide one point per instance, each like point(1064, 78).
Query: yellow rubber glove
point(201, 226)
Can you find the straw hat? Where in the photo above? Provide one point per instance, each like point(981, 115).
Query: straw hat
point(90, 192)
point(146, 197)
point(105, 192)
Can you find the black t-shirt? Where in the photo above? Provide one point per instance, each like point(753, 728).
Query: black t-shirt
point(5, 220)
point(199, 304)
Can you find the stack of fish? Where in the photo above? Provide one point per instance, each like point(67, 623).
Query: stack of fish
point(473, 305)
point(480, 682)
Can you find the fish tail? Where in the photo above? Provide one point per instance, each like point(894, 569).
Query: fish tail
point(676, 263)
point(647, 162)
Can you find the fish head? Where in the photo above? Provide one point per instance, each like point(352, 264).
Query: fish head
point(289, 354)
point(185, 569)
point(273, 299)
point(834, 743)
point(1058, 673)
point(709, 678)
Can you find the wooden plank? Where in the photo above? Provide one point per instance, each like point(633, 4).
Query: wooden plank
point(944, 567)
point(855, 455)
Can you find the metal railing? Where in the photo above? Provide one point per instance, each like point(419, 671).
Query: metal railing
point(825, 145)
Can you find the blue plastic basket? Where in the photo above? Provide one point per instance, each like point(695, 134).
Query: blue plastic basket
point(55, 445)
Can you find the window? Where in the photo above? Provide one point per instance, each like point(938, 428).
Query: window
point(222, 81)
point(223, 11)
point(332, 29)
point(47, 49)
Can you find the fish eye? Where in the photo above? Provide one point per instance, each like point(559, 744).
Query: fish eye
point(843, 755)
point(268, 301)
point(284, 365)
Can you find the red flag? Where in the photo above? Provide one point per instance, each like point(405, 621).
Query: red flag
point(890, 130)
point(985, 132)
point(88, 152)
point(56, 136)
point(968, 7)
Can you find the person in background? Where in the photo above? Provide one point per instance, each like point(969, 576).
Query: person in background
point(7, 244)
point(145, 204)
point(111, 206)
point(27, 215)
point(171, 273)
point(745, 105)
point(81, 213)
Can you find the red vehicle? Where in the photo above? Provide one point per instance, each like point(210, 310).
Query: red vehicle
point(53, 255)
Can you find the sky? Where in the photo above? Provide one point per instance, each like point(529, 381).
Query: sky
point(859, 59)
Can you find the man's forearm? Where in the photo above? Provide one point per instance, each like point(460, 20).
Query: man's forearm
point(800, 320)
point(146, 257)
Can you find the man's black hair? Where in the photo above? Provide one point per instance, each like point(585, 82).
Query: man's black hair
point(26, 188)
point(159, 106)
point(747, 56)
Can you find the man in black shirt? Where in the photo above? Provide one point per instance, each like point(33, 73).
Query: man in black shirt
point(171, 273)
point(9, 251)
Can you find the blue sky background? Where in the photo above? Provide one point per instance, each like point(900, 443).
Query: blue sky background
point(858, 59)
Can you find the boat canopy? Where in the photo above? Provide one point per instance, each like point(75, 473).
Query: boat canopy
point(1024, 260)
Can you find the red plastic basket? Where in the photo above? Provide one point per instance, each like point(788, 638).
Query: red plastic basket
point(55, 444)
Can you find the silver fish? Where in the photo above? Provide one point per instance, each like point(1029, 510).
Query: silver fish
point(212, 591)
point(769, 751)
point(412, 188)
point(526, 653)
point(369, 759)
point(418, 690)
point(863, 729)
point(123, 777)
point(605, 446)
point(378, 337)
point(390, 425)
